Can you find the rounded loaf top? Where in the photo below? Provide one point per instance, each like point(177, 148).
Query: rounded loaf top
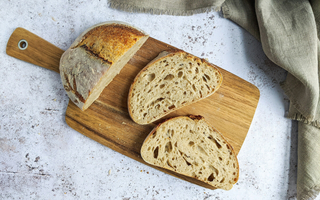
point(109, 41)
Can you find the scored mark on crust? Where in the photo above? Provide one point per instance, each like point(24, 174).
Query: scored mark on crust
point(96, 55)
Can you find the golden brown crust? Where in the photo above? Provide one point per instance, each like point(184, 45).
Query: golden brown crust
point(109, 42)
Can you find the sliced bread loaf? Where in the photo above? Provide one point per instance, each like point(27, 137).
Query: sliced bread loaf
point(96, 57)
point(172, 80)
point(190, 146)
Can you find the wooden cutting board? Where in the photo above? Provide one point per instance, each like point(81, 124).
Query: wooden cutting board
point(230, 109)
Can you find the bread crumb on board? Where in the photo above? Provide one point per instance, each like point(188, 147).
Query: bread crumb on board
point(109, 172)
point(124, 123)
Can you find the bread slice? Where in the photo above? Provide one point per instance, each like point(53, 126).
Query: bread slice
point(190, 146)
point(96, 57)
point(172, 80)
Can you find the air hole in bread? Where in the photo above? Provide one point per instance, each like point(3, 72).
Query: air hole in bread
point(145, 114)
point(187, 162)
point(217, 143)
point(201, 150)
point(208, 88)
point(156, 153)
point(185, 93)
point(171, 107)
point(169, 164)
point(200, 94)
point(172, 133)
point(220, 158)
point(176, 145)
point(197, 70)
point(222, 180)
point(154, 134)
point(194, 88)
point(216, 171)
point(159, 99)
point(162, 86)
point(211, 177)
point(157, 106)
point(207, 77)
point(191, 143)
point(169, 77)
point(168, 147)
point(180, 74)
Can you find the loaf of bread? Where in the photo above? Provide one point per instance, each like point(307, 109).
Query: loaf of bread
point(96, 57)
point(190, 146)
point(170, 81)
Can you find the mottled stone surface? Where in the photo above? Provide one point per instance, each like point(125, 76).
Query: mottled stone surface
point(42, 158)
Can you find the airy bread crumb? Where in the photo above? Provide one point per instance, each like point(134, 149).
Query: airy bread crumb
point(190, 146)
point(169, 82)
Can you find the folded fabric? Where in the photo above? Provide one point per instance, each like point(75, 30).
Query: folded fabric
point(170, 7)
point(289, 32)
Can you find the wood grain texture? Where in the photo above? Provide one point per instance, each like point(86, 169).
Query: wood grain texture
point(39, 51)
point(230, 110)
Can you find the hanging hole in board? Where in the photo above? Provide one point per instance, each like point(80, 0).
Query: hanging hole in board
point(23, 44)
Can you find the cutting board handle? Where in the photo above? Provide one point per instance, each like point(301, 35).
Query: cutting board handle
point(31, 48)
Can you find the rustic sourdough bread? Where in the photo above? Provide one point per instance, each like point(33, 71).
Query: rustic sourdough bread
point(172, 80)
point(96, 57)
point(190, 146)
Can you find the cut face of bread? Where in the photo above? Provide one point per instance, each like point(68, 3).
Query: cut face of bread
point(190, 146)
point(95, 58)
point(169, 82)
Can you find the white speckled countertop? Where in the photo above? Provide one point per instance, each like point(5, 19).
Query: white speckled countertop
point(42, 158)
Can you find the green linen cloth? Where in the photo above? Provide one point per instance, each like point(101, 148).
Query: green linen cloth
point(289, 31)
